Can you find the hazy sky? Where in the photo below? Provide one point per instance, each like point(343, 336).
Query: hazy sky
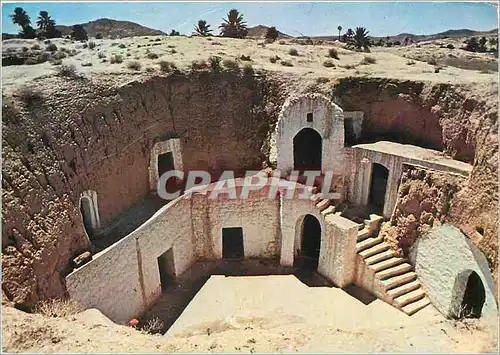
point(308, 18)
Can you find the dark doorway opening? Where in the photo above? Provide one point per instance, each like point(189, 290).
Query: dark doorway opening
point(307, 147)
point(310, 242)
point(378, 187)
point(474, 297)
point(166, 268)
point(349, 135)
point(232, 243)
point(86, 211)
point(166, 163)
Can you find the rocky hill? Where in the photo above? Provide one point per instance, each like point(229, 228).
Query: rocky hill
point(260, 31)
point(113, 29)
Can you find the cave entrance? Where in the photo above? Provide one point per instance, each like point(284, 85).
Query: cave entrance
point(307, 147)
point(310, 242)
point(166, 268)
point(232, 243)
point(378, 187)
point(474, 297)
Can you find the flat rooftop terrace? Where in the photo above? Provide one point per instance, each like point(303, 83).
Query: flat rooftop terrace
point(416, 154)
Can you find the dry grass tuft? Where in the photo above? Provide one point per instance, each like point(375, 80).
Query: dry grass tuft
point(57, 308)
point(153, 326)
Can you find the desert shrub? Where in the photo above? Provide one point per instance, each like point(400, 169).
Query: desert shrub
point(245, 58)
point(215, 64)
point(35, 47)
point(450, 46)
point(293, 52)
point(368, 60)
point(348, 66)
point(47, 41)
point(25, 49)
point(166, 66)
point(170, 46)
point(173, 51)
point(63, 49)
point(29, 96)
point(116, 59)
point(104, 60)
point(68, 71)
point(158, 40)
point(328, 64)
point(85, 45)
point(57, 308)
point(199, 65)
point(91, 45)
point(51, 47)
point(139, 46)
point(281, 42)
point(30, 61)
point(151, 55)
point(432, 61)
point(56, 62)
point(410, 62)
point(480, 230)
point(274, 59)
point(153, 326)
point(86, 64)
point(272, 34)
point(230, 64)
point(129, 55)
point(134, 65)
point(59, 55)
point(322, 80)
point(43, 57)
point(72, 52)
point(101, 55)
point(333, 53)
point(286, 63)
point(98, 36)
point(121, 45)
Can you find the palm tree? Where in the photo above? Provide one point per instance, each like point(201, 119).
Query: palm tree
point(272, 34)
point(360, 39)
point(202, 28)
point(21, 18)
point(233, 26)
point(340, 29)
point(45, 22)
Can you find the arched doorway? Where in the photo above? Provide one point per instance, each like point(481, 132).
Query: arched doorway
point(307, 147)
point(474, 297)
point(378, 186)
point(310, 242)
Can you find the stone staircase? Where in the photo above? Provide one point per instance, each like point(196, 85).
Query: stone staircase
point(388, 276)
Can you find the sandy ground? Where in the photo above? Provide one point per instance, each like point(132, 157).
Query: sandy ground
point(258, 314)
point(308, 65)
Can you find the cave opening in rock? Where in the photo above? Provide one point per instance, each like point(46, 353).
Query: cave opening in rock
point(307, 146)
point(166, 268)
point(86, 211)
point(378, 187)
point(310, 242)
point(474, 297)
point(232, 243)
point(166, 163)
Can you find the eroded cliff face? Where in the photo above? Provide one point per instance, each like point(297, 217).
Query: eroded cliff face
point(90, 138)
point(462, 122)
point(85, 137)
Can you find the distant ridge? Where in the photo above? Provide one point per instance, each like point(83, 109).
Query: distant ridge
point(113, 29)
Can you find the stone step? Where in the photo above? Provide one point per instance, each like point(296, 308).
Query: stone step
point(379, 257)
point(399, 280)
point(405, 288)
point(316, 198)
point(368, 243)
point(385, 264)
point(378, 248)
point(393, 271)
point(323, 204)
point(414, 307)
point(363, 234)
point(328, 210)
point(409, 297)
